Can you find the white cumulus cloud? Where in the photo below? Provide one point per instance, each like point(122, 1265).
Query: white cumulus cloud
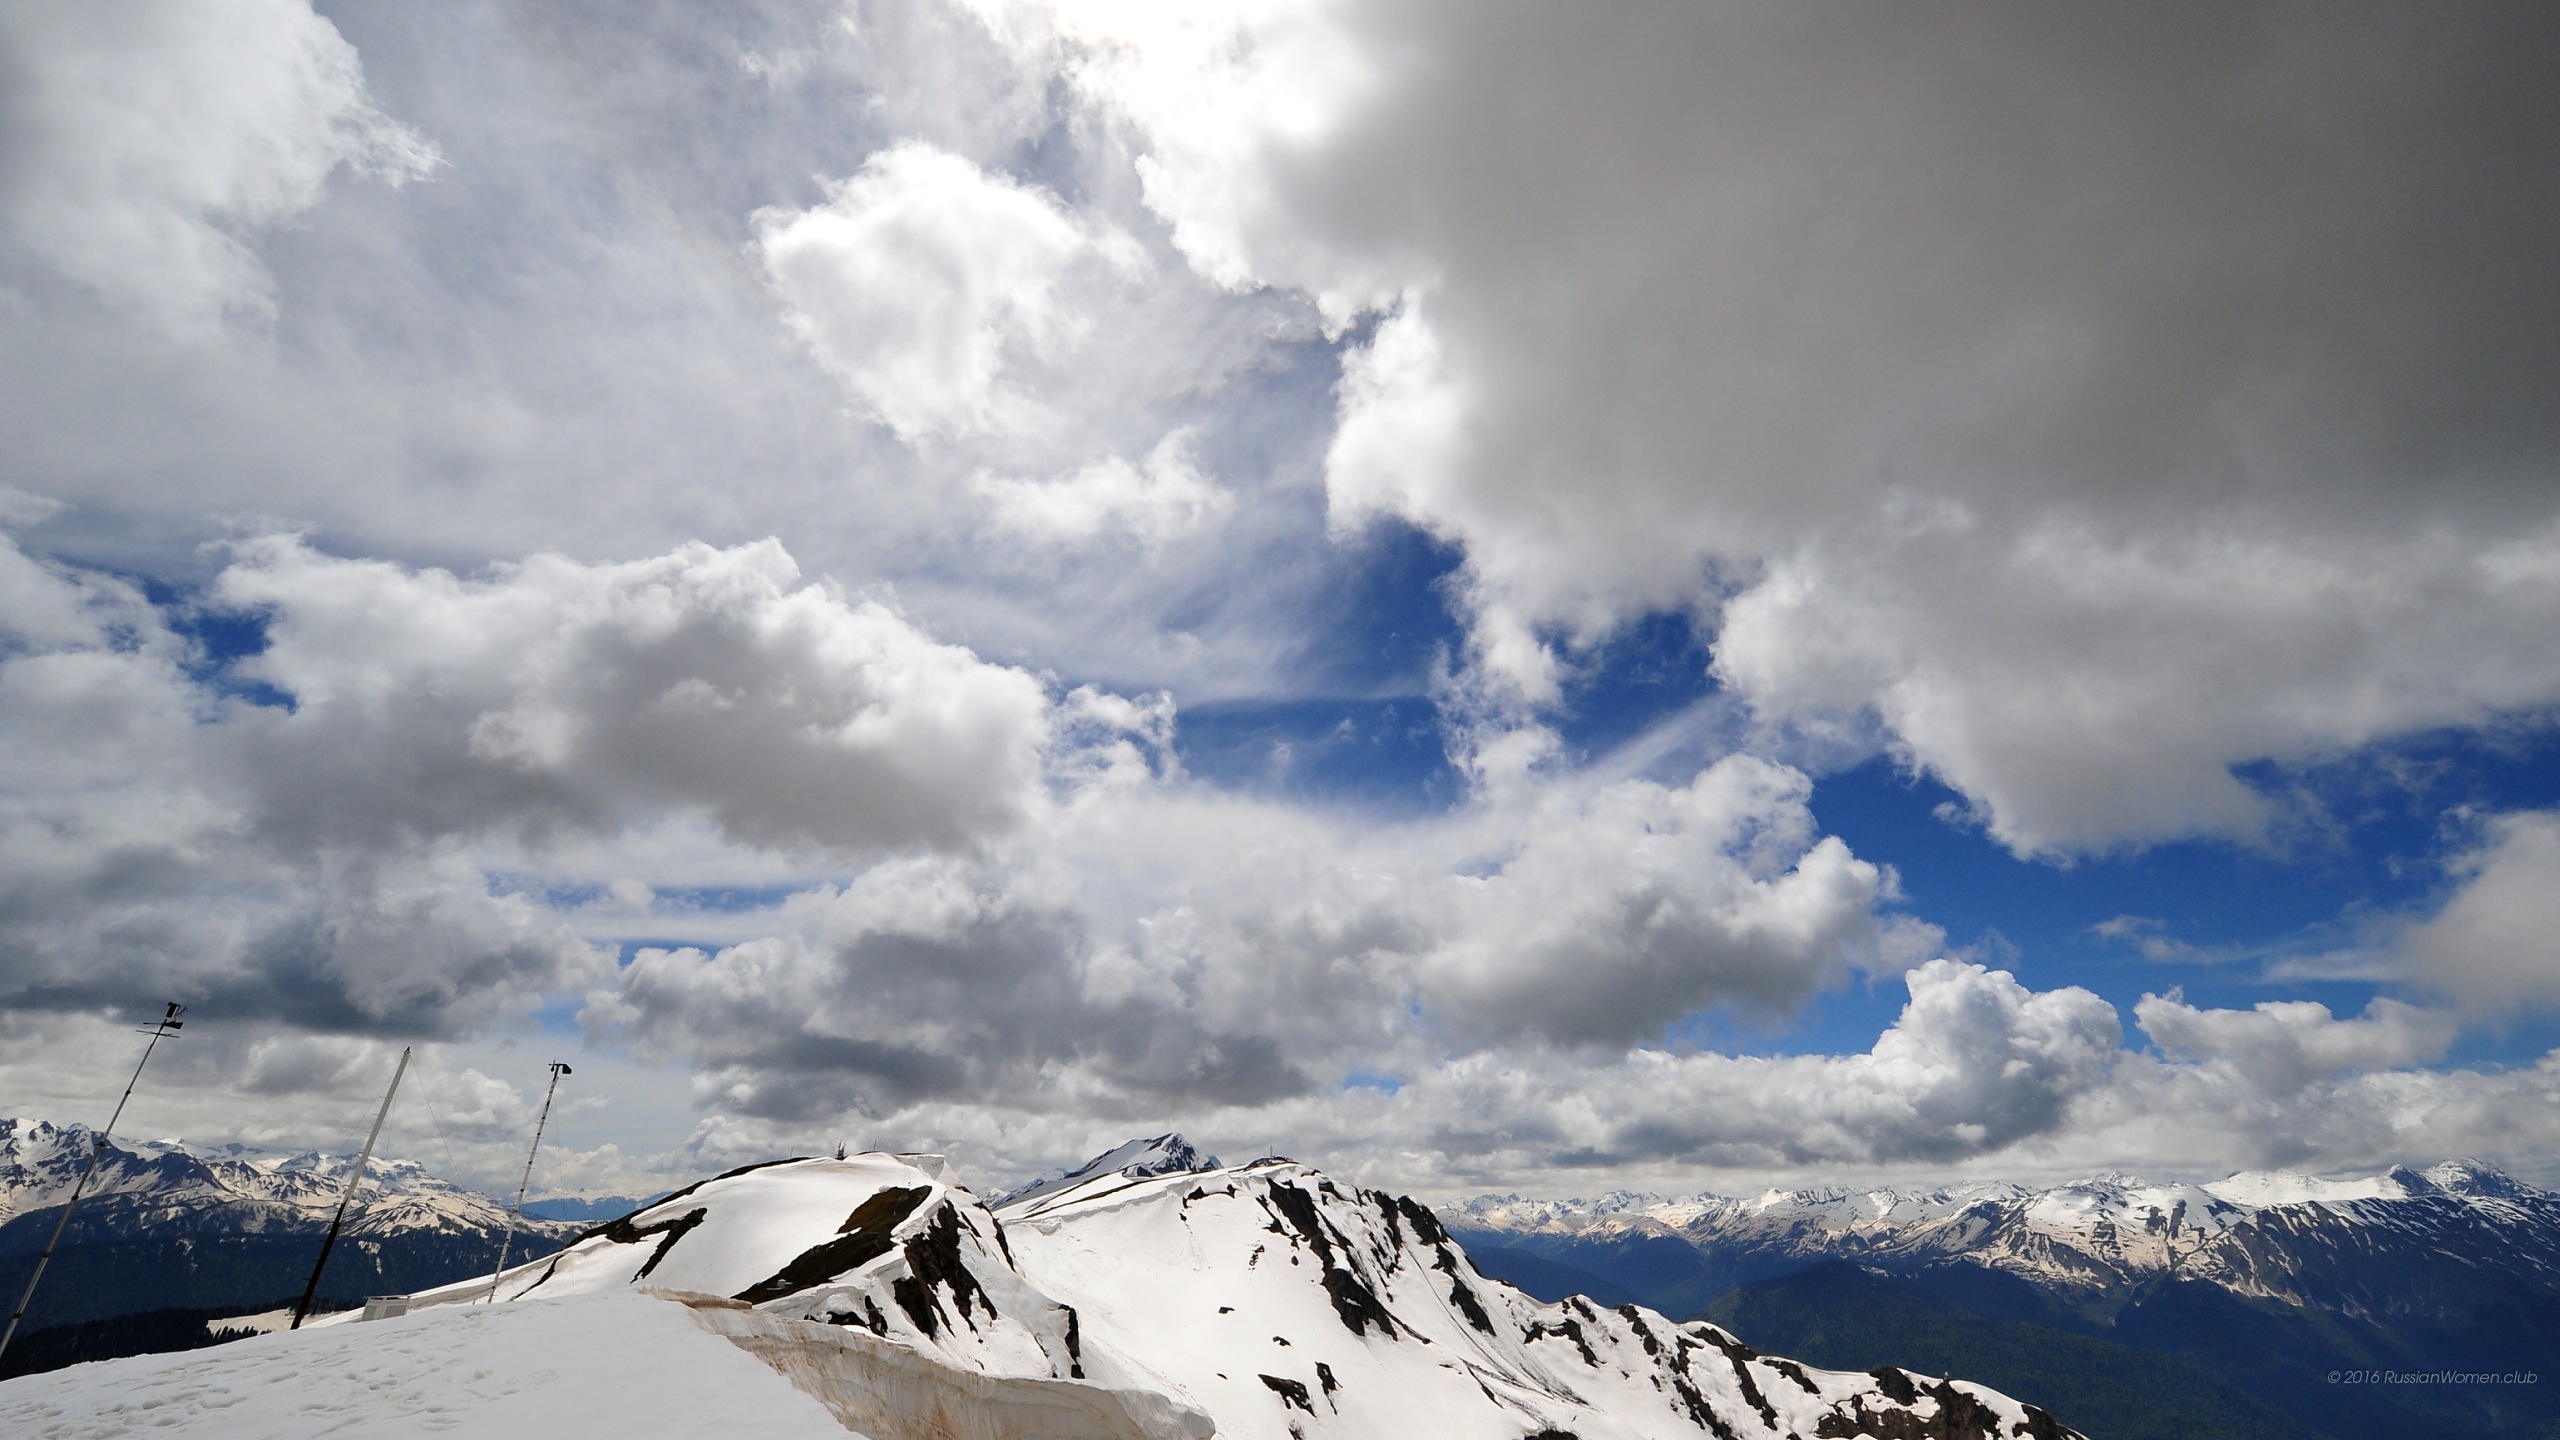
point(923, 282)
point(1154, 502)
point(2496, 943)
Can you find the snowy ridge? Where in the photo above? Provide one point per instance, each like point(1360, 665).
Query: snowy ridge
point(1262, 1302)
point(885, 1242)
point(2271, 1235)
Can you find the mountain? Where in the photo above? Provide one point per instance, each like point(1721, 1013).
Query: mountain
point(1155, 1155)
point(228, 1231)
point(1260, 1302)
point(2268, 1281)
point(1849, 1317)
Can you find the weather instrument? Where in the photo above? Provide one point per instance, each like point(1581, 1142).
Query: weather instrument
point(557, 1070)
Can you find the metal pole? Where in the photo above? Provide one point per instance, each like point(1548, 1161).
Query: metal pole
point(557, 1070)
point(169, 1025)
point(362, 1158)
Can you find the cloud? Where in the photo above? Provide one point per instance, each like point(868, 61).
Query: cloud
point(1974, 1063)
point(1153, 504)
point(1979, 1075)
point(2491, 947)
point(923, 281)
point(2087, 690)
point(327, 860)
point(1618, 909)
point(1152, 944)
point(148, 145)
point(1074, 934)
point(403, 837)
point(1225, 104)
point(2282, 1046)
point(2098, 406)
point(2288, 1084)
point(554, 693)
point(1103, 944)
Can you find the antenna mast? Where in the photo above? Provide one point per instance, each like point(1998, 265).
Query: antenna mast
point(557, 1070)
point(331, 1242)
point(169, 1025)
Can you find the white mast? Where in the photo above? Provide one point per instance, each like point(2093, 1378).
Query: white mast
point(354, 1180)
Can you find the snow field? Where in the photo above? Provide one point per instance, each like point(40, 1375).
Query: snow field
point(628, 1366)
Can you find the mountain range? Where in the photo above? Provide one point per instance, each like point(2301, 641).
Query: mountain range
point(1159, 1297)
point(1267, 1299)
point(187, 1236)
point(2264, 1284)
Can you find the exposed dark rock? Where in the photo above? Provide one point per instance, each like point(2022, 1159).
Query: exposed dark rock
point(1298, 1208)
point(1571, 1330)
point(863, 1238)
point(1357, 1305)
point(918, 1302)
point(1290, 1393)
point(933, 1258)
point(1644, 1332)
point(671, 1230)
point(868, 1317)
point(1958, 1416)
point(1469, 1306)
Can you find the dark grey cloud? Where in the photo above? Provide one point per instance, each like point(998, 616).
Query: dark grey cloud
point(2099, 399)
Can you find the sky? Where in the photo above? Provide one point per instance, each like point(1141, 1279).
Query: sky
point(1496, 598)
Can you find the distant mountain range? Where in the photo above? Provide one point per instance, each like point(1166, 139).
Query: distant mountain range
point(2262, 1283)
point(170, 1231)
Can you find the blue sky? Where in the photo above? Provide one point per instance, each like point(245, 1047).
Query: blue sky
point(2228, 922)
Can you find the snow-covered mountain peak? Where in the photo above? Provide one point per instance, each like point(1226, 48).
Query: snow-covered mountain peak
point(2259, 1189)
point(1287, 1305)
point(1167, 1154)
point(2471, 1177)
point(1264, 1298)
point(878, 1241)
